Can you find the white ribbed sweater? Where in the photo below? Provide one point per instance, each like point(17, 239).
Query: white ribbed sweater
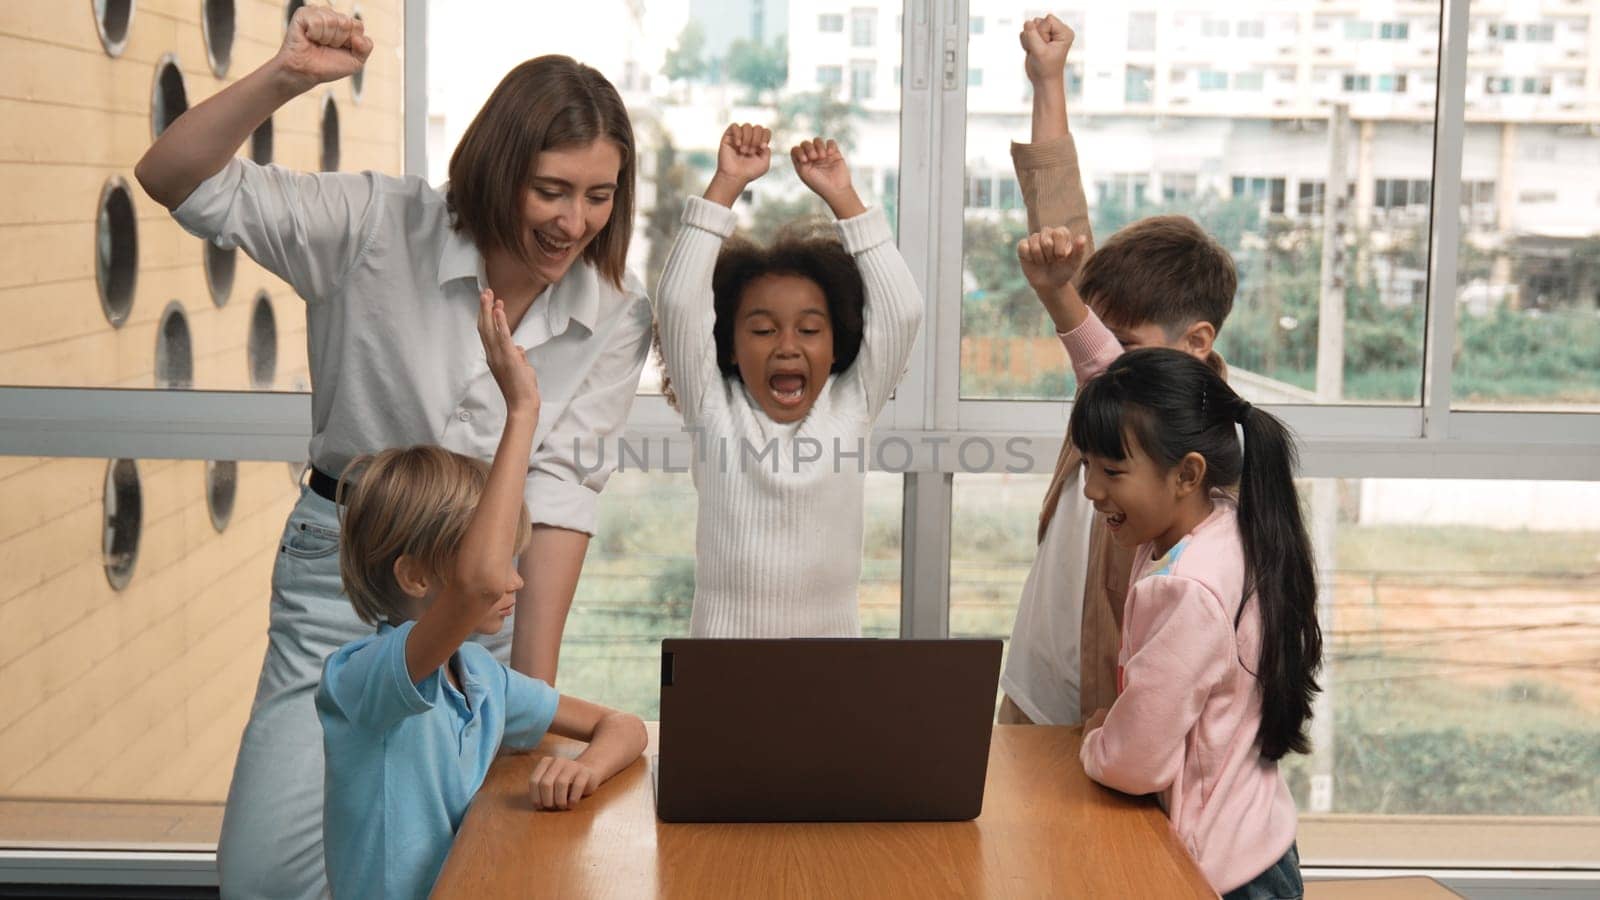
point(778, 536)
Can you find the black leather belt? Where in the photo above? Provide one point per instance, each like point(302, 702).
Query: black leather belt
point(324, 485)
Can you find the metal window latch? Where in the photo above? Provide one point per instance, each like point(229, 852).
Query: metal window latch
point(951, 58)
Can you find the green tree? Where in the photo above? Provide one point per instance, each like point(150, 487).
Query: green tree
point(816, 114)
point(759, 67)
point(673, 179)
point(687, 62)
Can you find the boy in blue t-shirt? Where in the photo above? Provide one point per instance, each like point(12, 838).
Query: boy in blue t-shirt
point(412, 716)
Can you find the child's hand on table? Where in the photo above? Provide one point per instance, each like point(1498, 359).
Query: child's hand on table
point(559, 783)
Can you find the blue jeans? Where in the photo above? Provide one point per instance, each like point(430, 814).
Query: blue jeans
point(1280, 882)
point(271, 843)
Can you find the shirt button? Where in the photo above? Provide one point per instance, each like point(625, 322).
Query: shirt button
point(464, 415)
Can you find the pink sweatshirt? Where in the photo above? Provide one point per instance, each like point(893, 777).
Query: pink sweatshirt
point(1186, 720)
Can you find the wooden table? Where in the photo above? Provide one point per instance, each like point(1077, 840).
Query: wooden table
point(1046, 830)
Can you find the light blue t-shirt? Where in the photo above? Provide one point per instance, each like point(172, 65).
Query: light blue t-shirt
point(404, 760)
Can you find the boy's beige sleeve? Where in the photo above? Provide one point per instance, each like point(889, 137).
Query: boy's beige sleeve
point(1052, 186)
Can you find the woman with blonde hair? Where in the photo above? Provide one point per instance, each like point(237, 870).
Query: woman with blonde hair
point(539, 210)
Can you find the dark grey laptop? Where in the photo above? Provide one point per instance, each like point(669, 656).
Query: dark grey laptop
point(824, 730)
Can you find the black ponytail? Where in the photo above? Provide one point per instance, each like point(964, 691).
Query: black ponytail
point(1279, 568)
point(1174, 405)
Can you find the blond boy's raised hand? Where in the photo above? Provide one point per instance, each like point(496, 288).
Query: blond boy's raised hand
point(508, 363)
point(1050, 261)
point(1046, 41)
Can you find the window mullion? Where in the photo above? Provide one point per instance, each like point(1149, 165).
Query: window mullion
point(1445, 231)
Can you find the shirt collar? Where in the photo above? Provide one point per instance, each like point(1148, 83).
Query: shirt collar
point(459, 258)
point(575, 298)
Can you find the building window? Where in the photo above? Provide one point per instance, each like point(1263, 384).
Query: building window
point(111, 18)
point(1141, 31)
point(1251, 28)
point(861, 74)
point(116, 245)
point(1271, 190)
point(174, 349)
point(1357, 84)
point(1391, 84)
point(1536, 85)
point(1248, 81)
point(1214, 28)
point(1311, 198)
point(863, 27)
point(169, 99)
point(975, 25)
point(1533, 197)
point(1213, 81)
point(980, 193)
point(831, 23)
point(358, 81)
point(1129, 189)
point(1400, 193)
point(222, 484)
point(216, 28)
point(1498, 84)
point(1539, 33)
point(328, 160)
point(1478, 202)
point(261, 348)
point(1503, 31)
point(1010, 195)
point(220, 265)
point(1357, 30)
point(1394, 31)
point(123, 517)
point(1177, 187)
point(261, 143)
point(830, 76)
point(974, 78)
point(1137, 84)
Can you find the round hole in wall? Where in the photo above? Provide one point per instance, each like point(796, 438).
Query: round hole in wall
point(216, 26)
point(123, 517)
point(262, 348)
point(174, 350)
point(220, 266)
point(261, 143)
point(111, 19)
point(222, 483)
point(288, 11)
point(169, 99)
point(330, 134)
point(358, 80)
point(116, 250)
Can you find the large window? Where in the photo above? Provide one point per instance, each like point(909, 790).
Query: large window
point(1528, 270)
point(1249, 143)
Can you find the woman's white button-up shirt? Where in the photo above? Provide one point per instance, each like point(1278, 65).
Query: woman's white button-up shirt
point(391, 328)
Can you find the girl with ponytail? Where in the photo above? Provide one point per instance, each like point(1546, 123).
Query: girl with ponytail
point(1220, 643)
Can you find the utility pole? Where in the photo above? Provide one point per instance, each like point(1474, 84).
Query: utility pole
point(1325, 491)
